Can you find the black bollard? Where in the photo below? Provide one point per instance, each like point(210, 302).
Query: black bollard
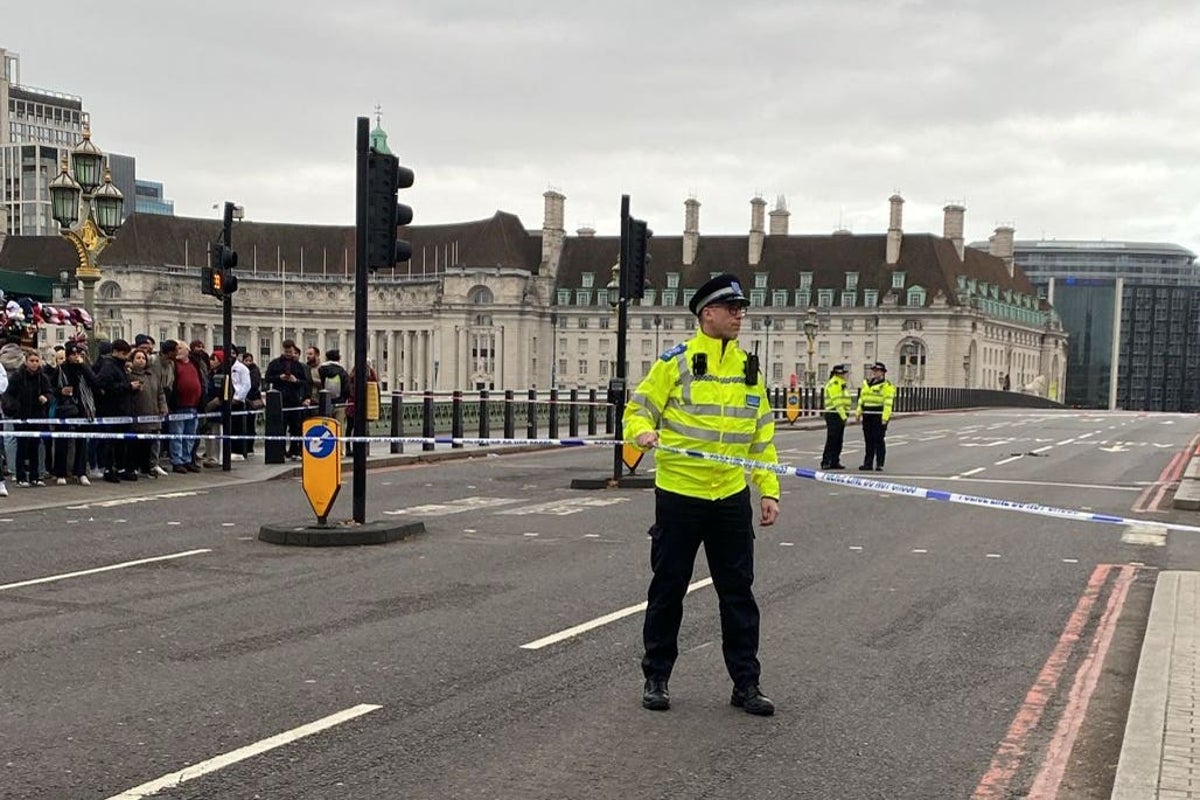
point(553, 414)
point(573, 415)
point(485, 423)
point(397, 446)
point(274, 448)
point(591, 412)
point(456, 417)
point(324, 403)
point(510, 415)
point(531, 415)
point(427, 420)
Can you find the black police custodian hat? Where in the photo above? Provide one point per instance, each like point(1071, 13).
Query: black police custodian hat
point(838, 369)
point(721, 289)
point(879, 366)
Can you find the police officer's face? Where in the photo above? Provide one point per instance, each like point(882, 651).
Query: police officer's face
point(725, 319)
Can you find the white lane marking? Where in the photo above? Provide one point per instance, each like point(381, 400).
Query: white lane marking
point(109, 568)
point(1064, 441)
point(125, 501)
point(1042, 449)
point(242, 753)
point(562, 508)
point(920, 550)
point(1151, 535)
point(971, 472)
point(993, 555)
point(787, 544)
point(454, 506)
point(1008, 460)
point(856, 547)
point(599, 621)
point(1070, 560)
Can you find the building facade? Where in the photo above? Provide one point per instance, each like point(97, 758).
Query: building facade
point(489, 304)
point(149, 199)
point(1128, 309)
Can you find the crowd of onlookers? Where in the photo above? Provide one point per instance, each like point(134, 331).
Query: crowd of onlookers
point(153, 389)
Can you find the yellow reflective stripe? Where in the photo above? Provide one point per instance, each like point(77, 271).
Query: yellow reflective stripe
point(712, 410)
point(704, 434)
point(642, 400)
point(765, 420)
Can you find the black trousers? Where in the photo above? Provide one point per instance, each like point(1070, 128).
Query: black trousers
point(873, 433)
point(725, 528)
point(294, 419)
point(835, 432)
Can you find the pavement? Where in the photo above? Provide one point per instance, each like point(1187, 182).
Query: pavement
point(1160, 753)
point(252, 470)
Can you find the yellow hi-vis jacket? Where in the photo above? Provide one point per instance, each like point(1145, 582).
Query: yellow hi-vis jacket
point(876, 398)
point(713, 413)
point(837, 397)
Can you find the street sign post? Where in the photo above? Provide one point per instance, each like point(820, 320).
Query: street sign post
point(321, 465)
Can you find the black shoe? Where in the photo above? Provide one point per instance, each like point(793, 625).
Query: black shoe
point(129, 476)
point(838, 466)
point(752, 701)
point(112, 477)
point(879, 468)
point(865, 468)
point(655, 695)
point(824, 465)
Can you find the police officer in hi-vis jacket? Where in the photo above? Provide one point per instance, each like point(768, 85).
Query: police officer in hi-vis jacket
point(706, 395)
point(837, 409)
point(875, 401)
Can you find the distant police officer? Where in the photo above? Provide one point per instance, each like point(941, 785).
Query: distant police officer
point(875, 409)
point(837, 409)
point(706, 395)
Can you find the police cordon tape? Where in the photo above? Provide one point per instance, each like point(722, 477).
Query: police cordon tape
point(852, 481)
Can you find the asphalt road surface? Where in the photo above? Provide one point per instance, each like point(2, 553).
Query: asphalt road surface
point(916, 649)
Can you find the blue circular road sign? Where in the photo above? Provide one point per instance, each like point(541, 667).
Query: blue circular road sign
point(319, 441)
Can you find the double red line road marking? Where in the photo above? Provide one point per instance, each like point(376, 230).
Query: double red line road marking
point(1074, 646)
point(1166, 480)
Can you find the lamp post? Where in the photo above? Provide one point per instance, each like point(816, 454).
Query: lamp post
point(657, 325)
point(553, 350)
point(87, 207)
point(767, 322)
point(810, 335)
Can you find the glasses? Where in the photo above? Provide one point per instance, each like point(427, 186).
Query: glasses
point(734, 309)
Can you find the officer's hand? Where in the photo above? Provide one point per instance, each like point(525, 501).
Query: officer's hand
point(647, 440)
point(770, 511)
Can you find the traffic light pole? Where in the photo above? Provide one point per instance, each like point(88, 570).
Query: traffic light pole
point(360, 320)
point(617, 385)
point(227, 364)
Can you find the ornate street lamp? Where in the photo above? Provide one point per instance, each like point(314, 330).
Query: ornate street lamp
point(87, 207)
point(657, 325)
point(811, 327)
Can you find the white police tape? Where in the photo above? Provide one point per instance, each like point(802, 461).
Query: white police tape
point(852, 481)
point(888, 487)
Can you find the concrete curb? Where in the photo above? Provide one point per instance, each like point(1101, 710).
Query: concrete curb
point(1141, 759)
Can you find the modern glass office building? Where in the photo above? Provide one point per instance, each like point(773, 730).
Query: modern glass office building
point(1132, 311)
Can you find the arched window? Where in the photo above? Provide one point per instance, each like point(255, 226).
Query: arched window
point(480, 296)
point(110, 290)
point(912, 362)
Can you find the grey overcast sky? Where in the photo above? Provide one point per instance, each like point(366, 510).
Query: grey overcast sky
point(1064, 118)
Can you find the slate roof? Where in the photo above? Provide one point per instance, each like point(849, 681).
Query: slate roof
point(502, 241)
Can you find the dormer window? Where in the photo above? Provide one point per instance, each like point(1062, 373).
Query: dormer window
point(805, 281)
point(898, 280)
point(588, 279)
point(916, 296)
point(760, 280)
point(851, 281)
point(672, 282)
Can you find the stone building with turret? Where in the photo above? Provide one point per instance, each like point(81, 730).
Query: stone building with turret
point(490, 304)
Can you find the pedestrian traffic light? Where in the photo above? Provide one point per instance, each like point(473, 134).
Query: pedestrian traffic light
point(639, 259)
point(217, 279)
point(384, 215)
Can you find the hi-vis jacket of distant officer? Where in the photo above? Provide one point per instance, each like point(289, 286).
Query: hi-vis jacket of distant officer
point(875, 401)
point(837, 409)
point(706, 395)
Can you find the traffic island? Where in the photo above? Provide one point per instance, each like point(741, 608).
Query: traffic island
point(624, 482)
point(340, 535)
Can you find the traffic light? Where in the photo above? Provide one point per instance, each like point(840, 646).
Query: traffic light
point(384, 177)
point(217, 279)
point(639, 259)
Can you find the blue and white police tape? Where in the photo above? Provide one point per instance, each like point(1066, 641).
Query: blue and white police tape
point(888, 487)
point(86, 422)
point(135, 436)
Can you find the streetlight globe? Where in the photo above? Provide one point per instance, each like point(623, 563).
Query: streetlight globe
point(109, 204)
point(87, 159)
point(64, 197)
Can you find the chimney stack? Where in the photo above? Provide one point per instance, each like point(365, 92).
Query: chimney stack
point(553, 232)
point(1001, 246)
point(586, 232)
point(952, 226)
point(894, 229)
point(757, 232)
point(691, 230)
point(779, 217)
